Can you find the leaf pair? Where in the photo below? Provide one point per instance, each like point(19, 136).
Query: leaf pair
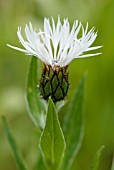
point(52, 141)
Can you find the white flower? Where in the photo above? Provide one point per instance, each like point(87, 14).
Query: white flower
point(57, 44)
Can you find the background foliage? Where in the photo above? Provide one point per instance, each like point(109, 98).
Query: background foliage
point(99, 106)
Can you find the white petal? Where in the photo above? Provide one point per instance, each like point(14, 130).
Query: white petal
point(93, 48)
point(89, 55)
point(47, 27)
point(16, 48)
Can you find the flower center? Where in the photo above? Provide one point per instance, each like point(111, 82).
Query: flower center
point(55, 63)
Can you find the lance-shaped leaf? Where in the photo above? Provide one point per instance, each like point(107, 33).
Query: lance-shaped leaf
point(95, 163)
point(34, 104)
point(40, 164)
point(52, 141)
point(112, 168)
point(73, 127)
point(16, 152)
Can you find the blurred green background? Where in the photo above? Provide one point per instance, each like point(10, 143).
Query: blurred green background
point(99, 99)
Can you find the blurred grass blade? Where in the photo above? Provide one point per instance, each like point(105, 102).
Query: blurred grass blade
point(95, 163)
point(52, 141)
point(34, 104)
point(112, 168)
point(16, 152)
point(74, 126)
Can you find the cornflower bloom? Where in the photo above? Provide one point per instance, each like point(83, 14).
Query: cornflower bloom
point(57, 45)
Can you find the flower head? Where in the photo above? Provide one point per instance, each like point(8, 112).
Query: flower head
point(58, 44)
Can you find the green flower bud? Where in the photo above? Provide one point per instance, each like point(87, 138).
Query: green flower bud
point(54, 82)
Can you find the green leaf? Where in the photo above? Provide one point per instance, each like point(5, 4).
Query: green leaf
point(52, 141)
point(40, 164)
point(95, 163)
point(34, 103)
point(112, 168)
point(16, 152)
point(73, 127)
